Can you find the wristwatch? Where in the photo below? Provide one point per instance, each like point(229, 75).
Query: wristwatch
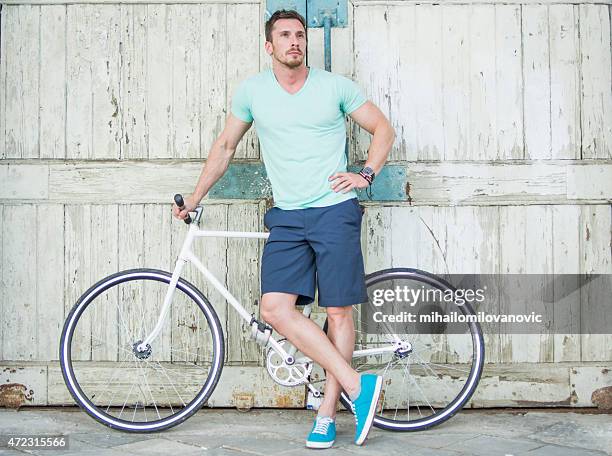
point(368, 174)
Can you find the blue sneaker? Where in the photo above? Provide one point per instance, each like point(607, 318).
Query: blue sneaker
point(364, 407)
point(323, 433)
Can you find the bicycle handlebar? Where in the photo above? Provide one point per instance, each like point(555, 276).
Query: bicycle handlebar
point(178, 199)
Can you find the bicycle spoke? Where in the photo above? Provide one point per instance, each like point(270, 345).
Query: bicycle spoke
point(171, 384)
point(144, 377)
point(422, 363)
point(422, 393)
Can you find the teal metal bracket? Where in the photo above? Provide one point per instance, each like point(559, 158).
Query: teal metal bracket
point(250, 181)
point(275, 5)
point(317, 11)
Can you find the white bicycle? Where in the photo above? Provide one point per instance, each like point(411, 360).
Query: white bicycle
point(155, 353)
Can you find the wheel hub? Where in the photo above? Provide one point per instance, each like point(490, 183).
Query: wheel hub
point(141, 354)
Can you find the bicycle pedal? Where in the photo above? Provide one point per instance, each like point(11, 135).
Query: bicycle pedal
point(313, 402)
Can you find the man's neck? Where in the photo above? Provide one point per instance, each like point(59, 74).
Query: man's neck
point(289, 77)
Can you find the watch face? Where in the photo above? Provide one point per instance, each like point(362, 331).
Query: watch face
point(369, 171)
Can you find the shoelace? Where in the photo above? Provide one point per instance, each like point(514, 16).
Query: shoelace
point(321, 426)
point(354, 414)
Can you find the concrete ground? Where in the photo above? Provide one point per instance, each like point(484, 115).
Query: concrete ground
point(282, 432)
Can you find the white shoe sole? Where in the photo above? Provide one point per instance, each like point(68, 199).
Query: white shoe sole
point(319, 444)
point(371, 412)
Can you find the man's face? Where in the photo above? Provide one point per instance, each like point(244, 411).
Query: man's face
point(288, 44)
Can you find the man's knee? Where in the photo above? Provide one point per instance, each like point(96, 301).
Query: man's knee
point(339, 315)
point(276, 307)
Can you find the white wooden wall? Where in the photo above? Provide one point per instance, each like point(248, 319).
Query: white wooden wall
point(504, 122)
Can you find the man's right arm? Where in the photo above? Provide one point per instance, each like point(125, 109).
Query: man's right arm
point(219, 157)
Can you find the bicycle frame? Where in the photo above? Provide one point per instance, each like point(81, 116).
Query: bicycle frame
point(186, 255)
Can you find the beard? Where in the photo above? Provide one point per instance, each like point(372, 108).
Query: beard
point(289, 60)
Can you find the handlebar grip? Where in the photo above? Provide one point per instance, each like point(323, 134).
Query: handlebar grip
point(178, 199)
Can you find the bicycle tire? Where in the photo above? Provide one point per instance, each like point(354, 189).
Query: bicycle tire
point(75, 389)
point(472, 379)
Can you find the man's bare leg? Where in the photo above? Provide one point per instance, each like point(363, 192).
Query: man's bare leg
point(278, 309)
point(341, 332)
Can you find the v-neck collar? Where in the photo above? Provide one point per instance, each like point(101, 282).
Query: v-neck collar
point(284, 90)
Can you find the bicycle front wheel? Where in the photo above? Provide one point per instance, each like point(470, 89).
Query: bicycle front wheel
point(136, 391)
point(429, 382)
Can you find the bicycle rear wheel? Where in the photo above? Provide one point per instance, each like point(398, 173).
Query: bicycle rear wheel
point(133, 391)
point(436, 377)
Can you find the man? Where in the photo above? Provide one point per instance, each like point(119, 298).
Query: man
point(315, 224)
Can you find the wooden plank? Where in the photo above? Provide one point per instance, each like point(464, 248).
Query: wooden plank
point(242, 62)
point(49, 279)
point(19, 254)
point(133, 87)
point(156, 254)
point(2, 288)
point(473, 248)
point(212, 78)
point(29, 379)
point(117, 2)
point(372, 69)
point(78, 257)
point(106, 73)
point(22, 81)
point(243, 281)
point(186, 79)
point(502, 385)
point(483, 94)
point(584, 184)
point(366, 63)
point(596, 81)
point(356, 2)
point(377, 254)
point(4, 29)
point(523, 230)
point(213, 252)
point(428, 84)
point(595, 241)
point(53, 82)
point(425, 247)
point(566, 256)
point(585, 380)
point(459, 183)
point(420, 244)
point(159, 80)
point(509, 82)
point(24, 181)
point(564, 81)
point(473, 2)
point(523, 385)
point(375, 238)
point(401, 90)
point(79, 80)
point(104, 261)
point(536, 70)
point(244, 385)
point(134, 311)
point(456, 81)
point(265, 61)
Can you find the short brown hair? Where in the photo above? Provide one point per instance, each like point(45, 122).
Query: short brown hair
point(282, 14)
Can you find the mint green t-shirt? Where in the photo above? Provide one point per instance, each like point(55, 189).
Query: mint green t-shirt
point(302, 135)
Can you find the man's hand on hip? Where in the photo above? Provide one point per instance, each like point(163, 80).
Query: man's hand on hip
point(346, 181)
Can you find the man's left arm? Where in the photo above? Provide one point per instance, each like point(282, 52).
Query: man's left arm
point(371, 119)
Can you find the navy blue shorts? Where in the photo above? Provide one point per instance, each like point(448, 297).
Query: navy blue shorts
point(316, 247)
